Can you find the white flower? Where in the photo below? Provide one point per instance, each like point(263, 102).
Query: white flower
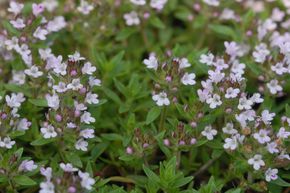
point(267, 117)
point(12, 44)
point(283, 133)
point(229, 129)
point(94, 82)
point(75, 84)
point(274, 86)
point(45, 53)
point(33, 71)
point(52, 101)
point(81, 144)
point(40, 33)
point(216, 76)
point(232, 48)
point(23, 125)
point(184, 63)
point(220, 64)
point(231, 143)
point(214, 3)
point(214, 101)
point(256, 98)
point(60, 68)
point(260, 53)
point(88, 68)
point(138, 2)
point(46, 187)
point(67, 167)
point(37, 9)
point(188, 79)
point(92, 98)
point(244, 103)
point(131, 18)
point(27, 166)
point(256, 161)
point(15, 7)
point(61, 87)
point(7, 143)
point(151, 62)
point(18, 77)
point(48, 132)
point(18, 23)
point(15, 100)
point(272, 147)
point(87, 133)
point(87, 181)
point(279, 68)
point(53, 62)
point(161, 99)
point(207, 59)
point(50, 5)
point(158, 4)
point(47, 172)
point(87, 118)
point(56, 24)
point(209, 133)
point(271, 174)
point(232, 92)
point(262, 136)
point(76, 57)
point(79, 106)
point(85, 8)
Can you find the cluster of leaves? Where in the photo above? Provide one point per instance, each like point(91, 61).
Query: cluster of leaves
point(146, 129)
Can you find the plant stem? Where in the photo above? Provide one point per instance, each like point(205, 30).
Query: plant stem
point(205, 166)
point(162, 119)
point(121, 179)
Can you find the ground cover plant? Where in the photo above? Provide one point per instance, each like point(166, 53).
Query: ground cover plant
point(117, 96)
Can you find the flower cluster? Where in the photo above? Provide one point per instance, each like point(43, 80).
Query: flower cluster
point(134, 18)
point(65, 180)
point(74, 80)
point(12, 124)
point(173, 74)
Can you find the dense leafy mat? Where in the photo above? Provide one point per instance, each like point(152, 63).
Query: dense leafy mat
point(144, 96)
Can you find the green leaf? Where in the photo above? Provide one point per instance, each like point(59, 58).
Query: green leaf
point(10, 28)
point(24, 181)
point(238, 190)
point(223, 30)
point(41, 141)
point(281, 182)
point(98, 150)
point(17, 133)
point(125, 33)
point(156, 22)
point(182, 181)
point(17, 88)
point(39, 102)
point(74, 159)
point(152, 115)
point(151, 175)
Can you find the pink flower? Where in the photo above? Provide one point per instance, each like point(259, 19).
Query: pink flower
point(37, 9)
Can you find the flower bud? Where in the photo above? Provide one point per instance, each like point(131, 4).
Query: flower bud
point(166, 142)
point(77, 113)
point(193, 124)
point(83, 90)
point(73, 73)
point(193, 141)
point(72, 189)
point(181, 142)
point(58, 117)
point(129, 150)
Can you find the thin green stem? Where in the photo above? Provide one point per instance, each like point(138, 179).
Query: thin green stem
point(162, 119)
